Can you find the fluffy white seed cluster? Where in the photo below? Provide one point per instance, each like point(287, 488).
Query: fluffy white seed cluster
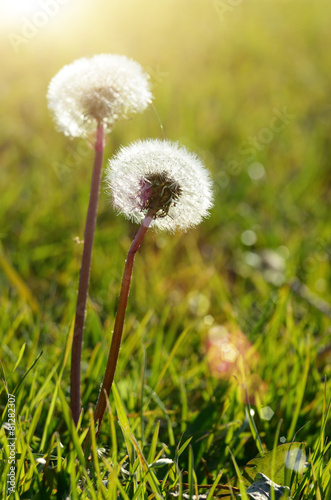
point(180, 179)
point(103, 88)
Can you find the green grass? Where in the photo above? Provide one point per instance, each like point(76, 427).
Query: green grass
point(172, 424)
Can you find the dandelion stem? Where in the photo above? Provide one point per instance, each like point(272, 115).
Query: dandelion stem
point(119, 320)
point(84, 278)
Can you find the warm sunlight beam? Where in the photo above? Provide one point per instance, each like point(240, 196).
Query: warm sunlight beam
point(16, 8)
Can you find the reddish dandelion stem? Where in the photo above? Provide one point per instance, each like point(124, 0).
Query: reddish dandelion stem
point(84, 278)
point(119, 321)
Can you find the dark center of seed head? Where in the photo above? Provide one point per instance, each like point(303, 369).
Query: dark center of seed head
point(158, 192)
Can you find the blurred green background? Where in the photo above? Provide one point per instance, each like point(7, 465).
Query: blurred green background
point(246, 85)
point(222, 76)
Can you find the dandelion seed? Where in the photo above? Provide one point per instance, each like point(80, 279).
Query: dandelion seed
point(98, 90)
point(164, 176)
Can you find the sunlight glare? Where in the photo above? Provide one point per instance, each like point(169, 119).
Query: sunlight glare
point(17, 8)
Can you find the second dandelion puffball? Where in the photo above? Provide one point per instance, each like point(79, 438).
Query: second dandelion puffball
point(97, 90)
point(162, 177)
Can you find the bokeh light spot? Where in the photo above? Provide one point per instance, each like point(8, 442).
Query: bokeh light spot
point(256, 171)
point(266, 413)
point(248, 237)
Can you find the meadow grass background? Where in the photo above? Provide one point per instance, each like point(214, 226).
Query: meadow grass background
point(218, 79)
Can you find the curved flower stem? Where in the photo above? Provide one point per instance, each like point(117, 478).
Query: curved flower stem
point(84, 278)
point(119, 321)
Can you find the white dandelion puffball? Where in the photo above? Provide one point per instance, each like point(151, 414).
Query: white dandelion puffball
point(100, 89)
point(162, 177)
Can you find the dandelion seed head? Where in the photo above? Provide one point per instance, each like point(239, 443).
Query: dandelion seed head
point(162, 176)
point(100, 89)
